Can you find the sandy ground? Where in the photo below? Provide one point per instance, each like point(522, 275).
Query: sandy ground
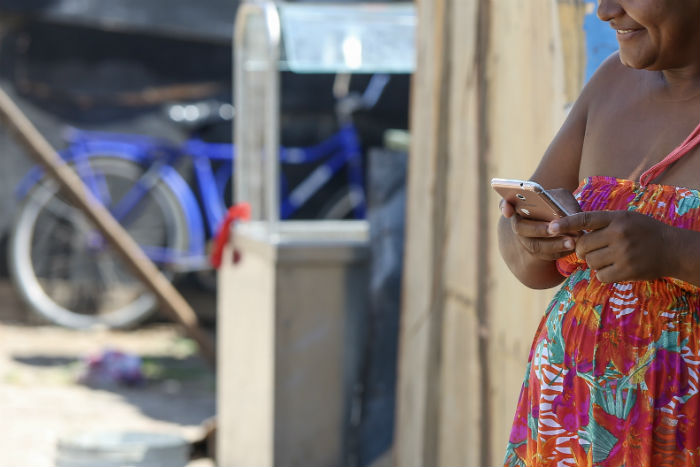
point(41, 399)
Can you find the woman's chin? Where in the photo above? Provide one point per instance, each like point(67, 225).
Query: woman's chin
point(633, 61)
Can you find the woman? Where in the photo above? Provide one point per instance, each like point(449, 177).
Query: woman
point(613, 377)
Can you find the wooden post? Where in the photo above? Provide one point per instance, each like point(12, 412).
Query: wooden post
point(421, 320)
point(36, 145)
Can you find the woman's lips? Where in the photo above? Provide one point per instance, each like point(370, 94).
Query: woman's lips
point(627, 33)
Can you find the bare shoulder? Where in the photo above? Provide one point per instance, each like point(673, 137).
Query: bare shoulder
point(610, 76)
point(611, 67)
point(611, 87)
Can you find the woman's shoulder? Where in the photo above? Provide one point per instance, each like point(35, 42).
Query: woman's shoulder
point(600, 88)
point(610, 73)
point(610, 82)
point(611, 65)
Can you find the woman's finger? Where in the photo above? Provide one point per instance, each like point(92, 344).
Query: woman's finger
point(598, 259)
point(608, 274)
point(548, 248)
point(587, 220)
point(590, 242)
point(506, 208)
point(530, 228)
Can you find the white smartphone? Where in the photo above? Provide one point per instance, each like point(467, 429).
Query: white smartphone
point(529, 199)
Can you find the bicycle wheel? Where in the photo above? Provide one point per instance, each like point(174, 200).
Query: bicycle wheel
point(68, 273)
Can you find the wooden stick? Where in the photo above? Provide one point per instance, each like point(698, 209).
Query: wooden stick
point(175, 306)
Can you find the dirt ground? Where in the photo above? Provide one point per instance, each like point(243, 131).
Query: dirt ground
point(42, 400)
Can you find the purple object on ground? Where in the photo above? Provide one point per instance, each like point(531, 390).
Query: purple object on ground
point(113, 367)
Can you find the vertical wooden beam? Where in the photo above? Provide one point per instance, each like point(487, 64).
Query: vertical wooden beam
point(571, 14)
point(526, 105)
point(441, 377)
point(486, 230)
point(417, 426)
point(465, 377)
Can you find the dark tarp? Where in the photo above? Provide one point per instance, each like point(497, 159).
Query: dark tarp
point(202, 19)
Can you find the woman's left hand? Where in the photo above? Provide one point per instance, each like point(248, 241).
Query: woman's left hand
point(620, 245)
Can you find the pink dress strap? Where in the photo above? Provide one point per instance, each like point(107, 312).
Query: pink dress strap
point(690, 142)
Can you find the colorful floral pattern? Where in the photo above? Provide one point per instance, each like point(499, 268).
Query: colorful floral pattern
point(614, 371)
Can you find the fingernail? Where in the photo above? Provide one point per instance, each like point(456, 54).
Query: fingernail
point(568, 243)
point(553, 228)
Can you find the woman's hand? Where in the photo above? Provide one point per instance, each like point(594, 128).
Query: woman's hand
point(621, 245)
point(534, 236)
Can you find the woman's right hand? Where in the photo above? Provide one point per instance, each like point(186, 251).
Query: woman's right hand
point(533, 235)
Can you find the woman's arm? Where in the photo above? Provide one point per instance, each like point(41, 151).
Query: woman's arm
point(528, 250)
point(533, 269)
point(525, 245)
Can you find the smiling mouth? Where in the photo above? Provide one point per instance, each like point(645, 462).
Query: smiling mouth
point(626, 31)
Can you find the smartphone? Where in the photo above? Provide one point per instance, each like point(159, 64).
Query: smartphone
point(529, 199)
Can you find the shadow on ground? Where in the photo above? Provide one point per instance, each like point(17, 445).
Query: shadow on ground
point(170, 383)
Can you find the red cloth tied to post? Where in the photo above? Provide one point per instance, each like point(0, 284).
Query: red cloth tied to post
point(240, 211)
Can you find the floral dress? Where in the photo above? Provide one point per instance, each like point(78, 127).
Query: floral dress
point(614, 371)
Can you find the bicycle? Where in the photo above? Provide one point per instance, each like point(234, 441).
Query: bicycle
point(68, 274)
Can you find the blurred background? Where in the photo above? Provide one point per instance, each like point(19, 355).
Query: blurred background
point(419, 345)
point(122, 66)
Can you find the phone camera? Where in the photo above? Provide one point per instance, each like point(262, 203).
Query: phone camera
point(519, 196)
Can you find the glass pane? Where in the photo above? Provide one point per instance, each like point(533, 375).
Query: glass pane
point(364, 38)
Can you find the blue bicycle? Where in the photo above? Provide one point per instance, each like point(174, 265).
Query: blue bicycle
point(70, 275)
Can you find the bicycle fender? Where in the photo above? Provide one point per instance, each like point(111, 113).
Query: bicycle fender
point(117, 149)
point(170, 177)
point(27, 182)
point(190, 207)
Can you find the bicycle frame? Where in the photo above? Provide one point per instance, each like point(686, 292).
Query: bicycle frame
point(342, 149)
point(159, 158)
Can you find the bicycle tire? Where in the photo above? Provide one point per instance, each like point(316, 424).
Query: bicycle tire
point(70, 276)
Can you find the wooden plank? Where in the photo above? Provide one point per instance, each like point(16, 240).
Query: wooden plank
point(461, 270)
point(245, 388)
point(418, 366)
point(573, 41)
point(463, 433)
point(461, 425)
point(526, 107)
